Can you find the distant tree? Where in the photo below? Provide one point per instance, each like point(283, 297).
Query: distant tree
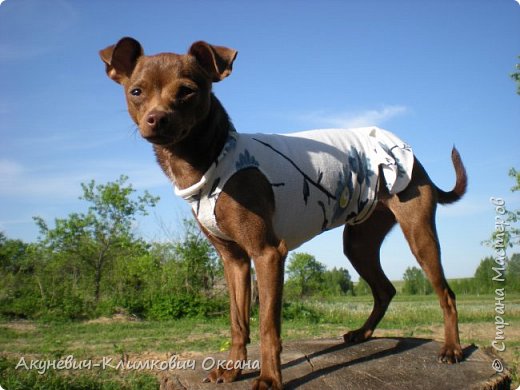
point(198, 261)
point(305, 273)
point(484, 276)
point(21, 288)
point(337, 281)
point(362, 287)
point(415, 282)
point(489, 269)
point(513, 273)
point(104, 233)
point(12, 253)
point(463, 286)
point(513, 173)
point(516, 77)
point(510, 237)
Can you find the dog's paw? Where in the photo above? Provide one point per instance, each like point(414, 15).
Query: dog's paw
point(357, 336)
point(451, 354)
point(220, 375)
point(266, 383)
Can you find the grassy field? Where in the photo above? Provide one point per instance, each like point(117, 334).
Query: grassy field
point(118, 337)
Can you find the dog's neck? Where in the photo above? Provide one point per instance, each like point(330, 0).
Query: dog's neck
point(186, 162)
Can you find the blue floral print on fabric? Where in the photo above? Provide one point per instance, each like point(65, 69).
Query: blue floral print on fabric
point(246, 160)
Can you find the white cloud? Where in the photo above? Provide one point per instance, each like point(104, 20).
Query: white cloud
point(9, 168)
point(80, 139)
point(18, 181)
point(371, 117)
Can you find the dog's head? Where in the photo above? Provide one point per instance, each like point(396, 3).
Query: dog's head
point(167, 94)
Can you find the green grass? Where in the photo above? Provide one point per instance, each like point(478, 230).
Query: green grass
point(418, 316)
point(12, 379)
point(84, 339)
point(406, 311)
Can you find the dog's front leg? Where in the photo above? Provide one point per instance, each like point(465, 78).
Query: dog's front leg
point(244, 210)
point(269, 266)
point(237, 269)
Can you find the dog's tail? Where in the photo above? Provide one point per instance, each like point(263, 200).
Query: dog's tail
point(461, 182)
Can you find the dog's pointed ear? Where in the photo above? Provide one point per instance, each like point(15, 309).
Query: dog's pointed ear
point(217, 61)
point(120, 59)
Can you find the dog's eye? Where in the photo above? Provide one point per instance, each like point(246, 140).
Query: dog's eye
point(136, 92)
point(185, 92)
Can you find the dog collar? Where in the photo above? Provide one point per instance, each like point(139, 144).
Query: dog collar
point(198, 188)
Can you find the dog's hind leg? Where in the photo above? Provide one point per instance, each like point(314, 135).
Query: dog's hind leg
point(414, 209)
point(361, 244)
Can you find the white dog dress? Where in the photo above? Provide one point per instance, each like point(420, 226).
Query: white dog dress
point(321, 179)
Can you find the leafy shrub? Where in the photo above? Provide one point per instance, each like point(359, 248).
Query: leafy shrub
point(185, 305)
point(299, 311)
point(23, 304)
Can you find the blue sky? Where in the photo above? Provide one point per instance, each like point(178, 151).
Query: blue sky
point(435, 73)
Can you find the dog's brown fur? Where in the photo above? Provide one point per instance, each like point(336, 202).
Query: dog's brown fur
point(169, 98)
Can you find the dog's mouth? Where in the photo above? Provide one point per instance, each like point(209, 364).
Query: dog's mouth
point(162, 139)
point(159, 139)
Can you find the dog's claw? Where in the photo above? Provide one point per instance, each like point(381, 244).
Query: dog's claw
point(450, 355)
point(220, 375)
point(266, 384)
point(357, 336)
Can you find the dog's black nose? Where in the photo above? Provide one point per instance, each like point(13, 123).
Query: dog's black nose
point(155, 119)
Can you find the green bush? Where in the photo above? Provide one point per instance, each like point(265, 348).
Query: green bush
point(22, 305)
point(299, 311)
point(185, 305)
point(362, 287)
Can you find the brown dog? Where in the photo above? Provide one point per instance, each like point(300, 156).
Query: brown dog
point(169, 98)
